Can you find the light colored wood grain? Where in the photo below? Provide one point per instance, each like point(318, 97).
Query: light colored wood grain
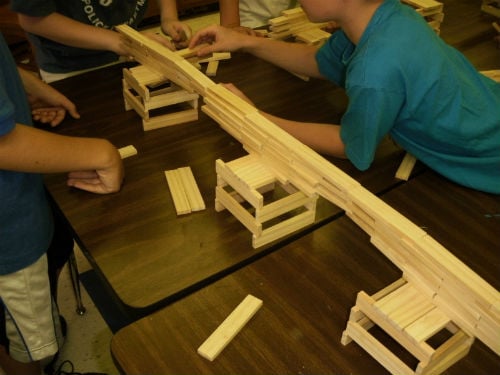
point(179, 197)
point(229, 328)
point(127, 151)
point(406, 167)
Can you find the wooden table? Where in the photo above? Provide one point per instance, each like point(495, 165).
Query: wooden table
point(148, 255)
point(308, 288)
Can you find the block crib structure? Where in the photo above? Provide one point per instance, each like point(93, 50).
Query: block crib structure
point(451, 296)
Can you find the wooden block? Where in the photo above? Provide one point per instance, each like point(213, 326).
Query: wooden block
point(186, 52)
point(170, 98)
point(191, 189)
point(378, 351)
point(216, 56)
point(231, 202)
point(127, 151)
point(184, 190)
point(283, 228)
point(493, 74)
point(496, 26)
point(212, 68)
point(170, 119)
point(179, 197)
point(251, 195)
point(404, 170)
point(134, 102)
point(230, 327)
point(427, 325)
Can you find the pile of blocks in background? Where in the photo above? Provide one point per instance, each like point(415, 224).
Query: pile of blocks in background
point(493, 7)
point(293, 23)
point(431, 10)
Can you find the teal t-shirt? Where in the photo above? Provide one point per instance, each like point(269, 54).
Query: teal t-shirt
point(54, 57)
point(25, 218)
point(402, 79)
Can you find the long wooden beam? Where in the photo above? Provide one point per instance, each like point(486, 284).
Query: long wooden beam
point(464, 296)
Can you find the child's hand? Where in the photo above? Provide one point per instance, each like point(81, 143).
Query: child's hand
point(164, 41)
point(104, 180)
point(47, 104)
point(49, 115)
point(218, 39)
point(179, 32)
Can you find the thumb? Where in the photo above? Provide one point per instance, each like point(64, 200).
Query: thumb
point(73, 112)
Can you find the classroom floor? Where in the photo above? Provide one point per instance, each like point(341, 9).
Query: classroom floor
point(88, 339)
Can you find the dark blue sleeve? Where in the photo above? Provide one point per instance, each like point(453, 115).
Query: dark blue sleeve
point(33, 8)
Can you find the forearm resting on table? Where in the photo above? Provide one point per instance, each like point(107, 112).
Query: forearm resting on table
point(322, 138)
point(30, 79)
point(295, 57)
point(33, 150)
point(69, 32)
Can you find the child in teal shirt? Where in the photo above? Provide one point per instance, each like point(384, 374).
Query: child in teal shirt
point(401, 79)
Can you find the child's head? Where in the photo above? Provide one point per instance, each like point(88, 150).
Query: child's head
point(332, 10)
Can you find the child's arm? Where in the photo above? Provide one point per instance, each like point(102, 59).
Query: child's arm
point(299, 58)
point(68, 31)
point(230, 17)
point(323, 138)
point(179, 32)
point(229, 13)
point(48, 105)
point(96, 163)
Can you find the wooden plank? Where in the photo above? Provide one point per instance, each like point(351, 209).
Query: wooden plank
point(229, 328)
point(378, 351)
point(127, 151)
point(212, 68)
point(427, 325)
point(404, 170)
point(170, 98)
point(228, 201)
point(179, 197)
point(191, 189)
point(283, 228)
point(170, 119)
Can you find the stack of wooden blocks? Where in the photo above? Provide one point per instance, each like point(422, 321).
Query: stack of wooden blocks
point(145, 90)
point(241, 185)
point(294, 23)
point(431, 10)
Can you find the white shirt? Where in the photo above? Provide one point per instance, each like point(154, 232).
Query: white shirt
point(256, 13)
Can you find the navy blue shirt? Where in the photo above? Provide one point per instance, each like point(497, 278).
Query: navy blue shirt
point(25, 218)
point(54, 57)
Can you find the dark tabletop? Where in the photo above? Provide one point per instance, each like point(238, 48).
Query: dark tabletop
point(308, 287)
point(148, 255)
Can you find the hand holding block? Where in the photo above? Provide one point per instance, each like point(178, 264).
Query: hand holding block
point(229, 328)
